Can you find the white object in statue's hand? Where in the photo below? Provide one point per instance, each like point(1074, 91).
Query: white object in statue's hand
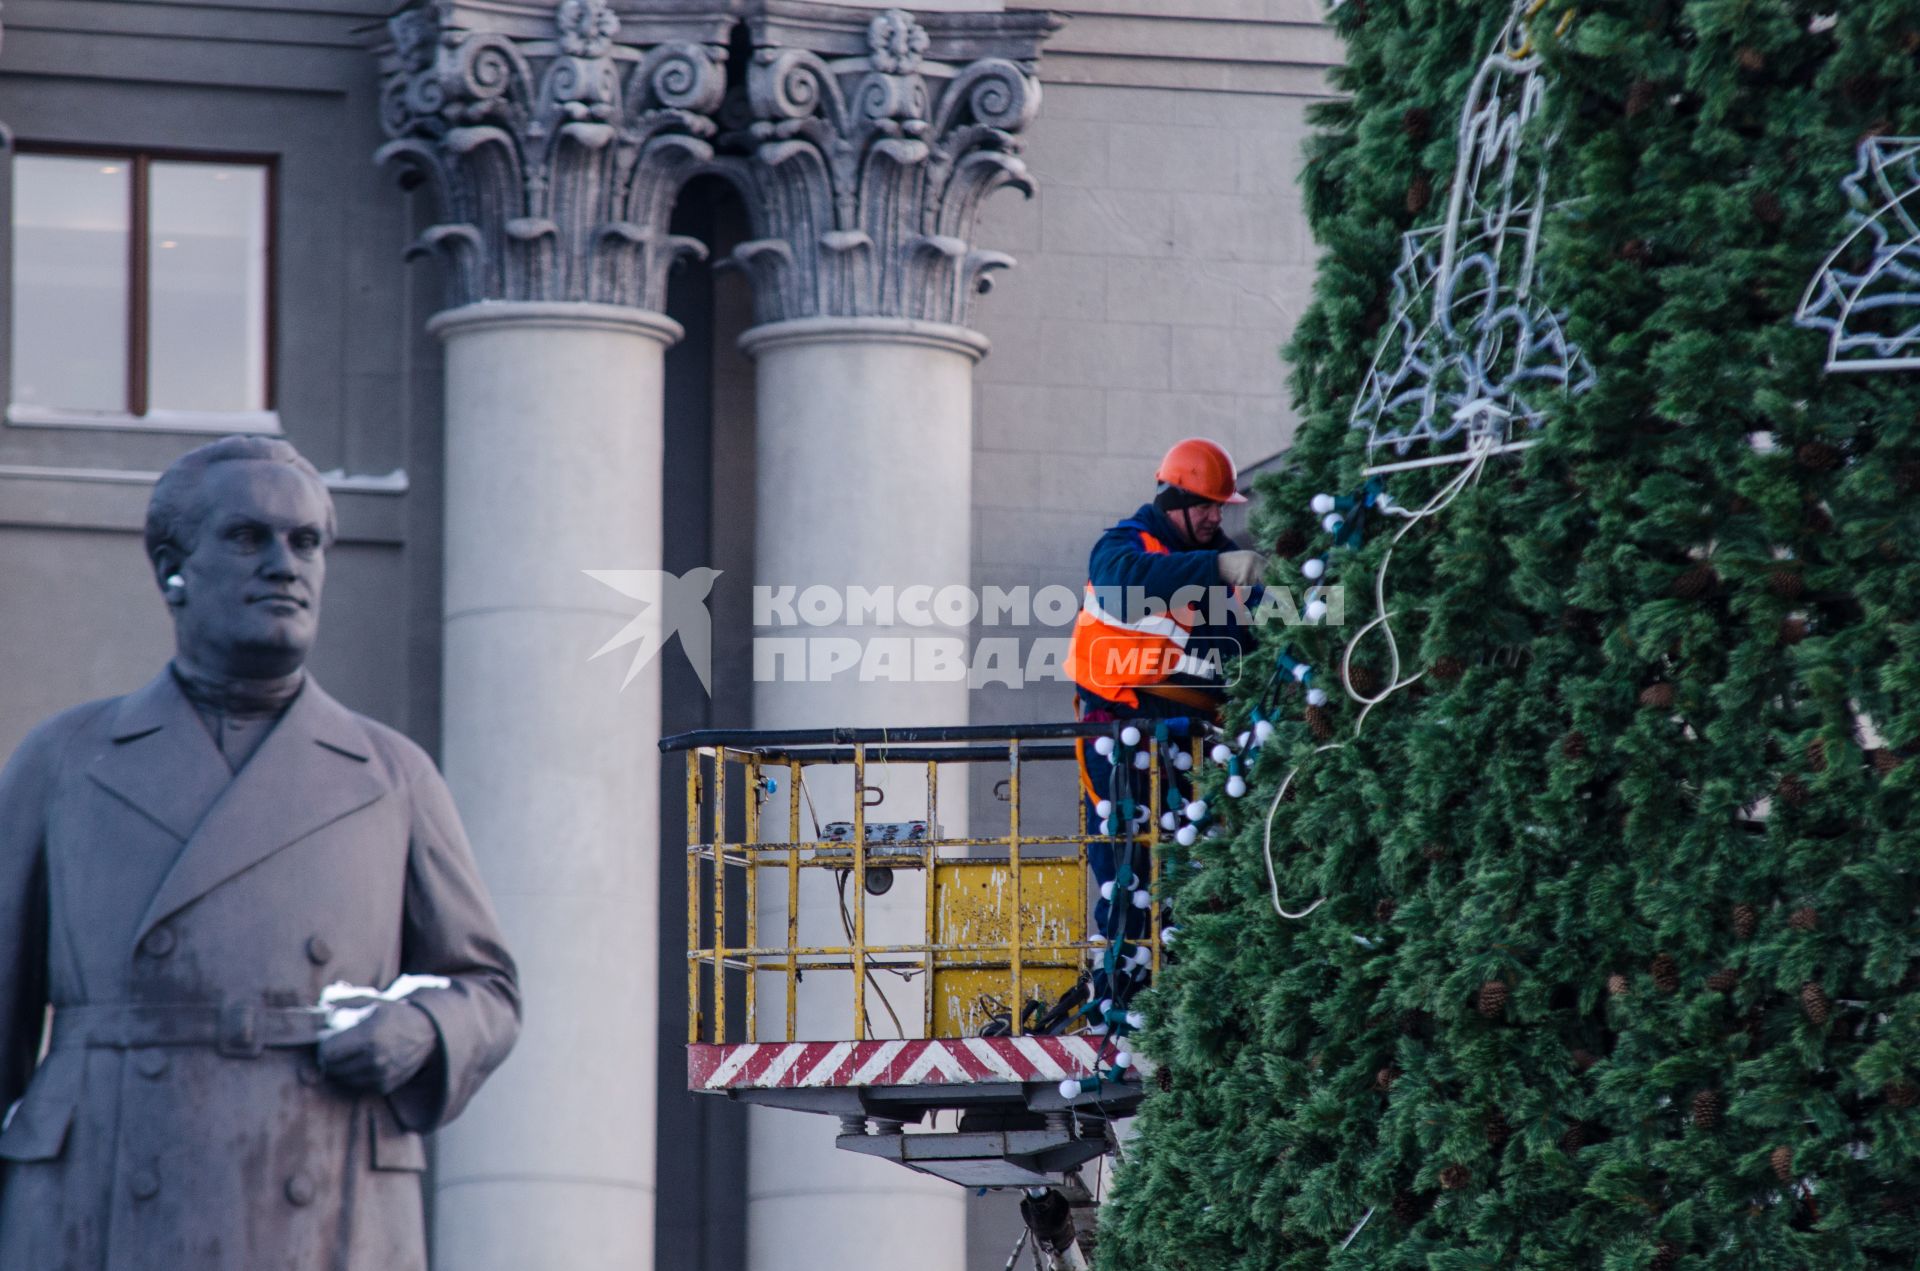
point(345, 1004)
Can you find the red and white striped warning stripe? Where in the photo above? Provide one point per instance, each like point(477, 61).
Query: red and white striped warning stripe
point(936, 1061)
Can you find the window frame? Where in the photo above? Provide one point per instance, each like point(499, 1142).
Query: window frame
point(137, 411)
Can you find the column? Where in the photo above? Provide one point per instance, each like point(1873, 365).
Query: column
point(553, 153)
point(870, 151)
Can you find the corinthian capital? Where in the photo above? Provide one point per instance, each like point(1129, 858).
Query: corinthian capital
point(865, 170)
point(553, 150)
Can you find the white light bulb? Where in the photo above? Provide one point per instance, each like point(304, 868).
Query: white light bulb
point(1103, 809)
point(1135, 1019)
point(1316, 697)
point(1140, 901)
point(1221, 753)
point(1098, 1030)
point(1142, 759)
point(1322, 504)
point(1300, 672)
point(1106, 890)
point(1187, 836)
point(1106, 1004)
point(1142, 956)
point(1130, 736)
point(1169, 822)
point(1070, 1089)
point(1103, 746)
point(1122, 1059)
point(1333, 522)
point(1314, 568)
point(1182, 761)
point(1197, 810)
point(1141, 816)
point(1246, 737)
point(1316, 610)
point(1262, 731)
point(1169, 936)
point(1236, 786)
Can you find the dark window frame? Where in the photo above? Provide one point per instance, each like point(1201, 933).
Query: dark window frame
point(140, 160)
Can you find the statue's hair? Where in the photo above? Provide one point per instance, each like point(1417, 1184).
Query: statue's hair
point(174, 512)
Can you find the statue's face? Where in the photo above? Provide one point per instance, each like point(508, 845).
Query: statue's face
point(250, 605)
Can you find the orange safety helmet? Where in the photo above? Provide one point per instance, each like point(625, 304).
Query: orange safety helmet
point(1200, 467)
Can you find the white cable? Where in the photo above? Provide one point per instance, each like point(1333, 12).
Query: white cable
point(1477, 455)
point(1364, 1218)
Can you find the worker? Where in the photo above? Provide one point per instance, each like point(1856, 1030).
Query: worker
point(1154, 639)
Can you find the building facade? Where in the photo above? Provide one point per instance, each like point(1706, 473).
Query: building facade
point(801, 293)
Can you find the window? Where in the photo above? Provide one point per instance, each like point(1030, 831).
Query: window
point(142, 290)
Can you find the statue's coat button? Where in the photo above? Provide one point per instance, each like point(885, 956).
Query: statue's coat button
point(152, 1064)
point(319, 952)
point(300, 1189)
point(145, 1184)
point(159, 942)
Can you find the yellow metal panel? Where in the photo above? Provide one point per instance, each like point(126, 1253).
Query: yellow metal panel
point(974, 901)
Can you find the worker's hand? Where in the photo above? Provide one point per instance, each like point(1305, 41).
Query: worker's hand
point(1242, 569)
point(383, 1051)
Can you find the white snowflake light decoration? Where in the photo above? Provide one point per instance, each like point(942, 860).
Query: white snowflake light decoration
point(1867, 293)
point(1472, 359)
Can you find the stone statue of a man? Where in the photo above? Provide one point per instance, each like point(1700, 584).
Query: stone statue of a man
point(182, 871)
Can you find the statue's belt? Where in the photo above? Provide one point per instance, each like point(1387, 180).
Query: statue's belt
point(238, 1029)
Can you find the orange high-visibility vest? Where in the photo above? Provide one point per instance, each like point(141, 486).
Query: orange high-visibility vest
point(1111, 657)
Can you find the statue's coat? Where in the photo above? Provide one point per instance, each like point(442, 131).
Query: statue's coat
point(135, 867)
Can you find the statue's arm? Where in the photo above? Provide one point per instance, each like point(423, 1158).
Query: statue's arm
point(25, 786)
point(451, 930)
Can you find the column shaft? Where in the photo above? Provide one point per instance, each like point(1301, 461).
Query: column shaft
point(553, 466)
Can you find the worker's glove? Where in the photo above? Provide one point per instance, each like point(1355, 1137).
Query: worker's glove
point(1242, 569)
point(383, 1051)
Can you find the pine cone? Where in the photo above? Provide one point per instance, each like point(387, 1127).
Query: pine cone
point(1785, 583)
point(1805, 918)
point(1417, 123)
point(1815, 1002)
point(1455, 1177)
point(1384, 911)
point(1384, 1079)
point(1751, 59)
point(1693, 582)
point(1723, 980)
point(1884, 761)
point(1419, 193)
point(1574, 1139)
point(1817, 754)
point(1641, 96)
point(1362, 680)
point(1289, 543)
point(1767, 209)
point(1408, 1208)
point(1163, 1076)
point(1492, 999)
point(1793, 630)
point(1666, 974)
point(1657, 697)
point(1583, 1059)
point(1447, 668)
point(1320, 722)
point(1574, 745)
point(1617, 985)
point(1706, 1110)
point(1666, 1258)
point(1901, 1094)
point(1498, 1131)
point(1635, 251)
point(1819, 456)
point(1745, 919)
point(1793, 792)
point(1781, 1158)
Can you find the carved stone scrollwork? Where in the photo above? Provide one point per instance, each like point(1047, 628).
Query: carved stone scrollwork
point(553, 162)
point(864, 176)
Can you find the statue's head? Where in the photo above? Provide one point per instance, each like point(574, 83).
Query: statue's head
point(237, 532)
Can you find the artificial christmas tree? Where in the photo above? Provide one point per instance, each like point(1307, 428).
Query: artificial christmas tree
point(1701, 564)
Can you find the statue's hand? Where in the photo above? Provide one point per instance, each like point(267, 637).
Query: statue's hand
point(383, 1051)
